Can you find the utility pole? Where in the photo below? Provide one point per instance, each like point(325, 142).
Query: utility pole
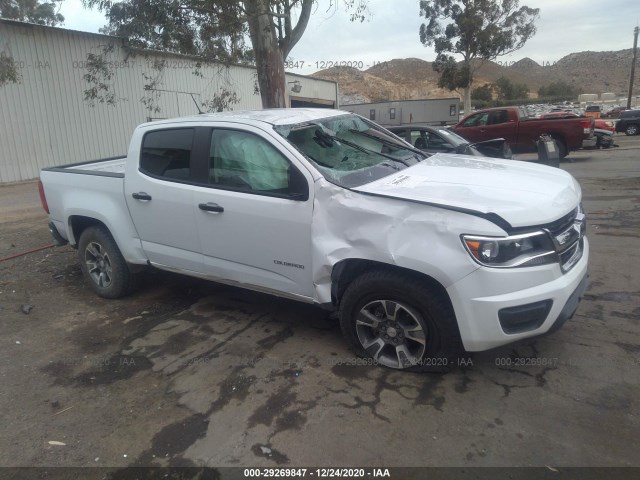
point(633, 66)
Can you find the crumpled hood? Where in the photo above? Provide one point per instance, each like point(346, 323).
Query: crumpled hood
point(522, 193)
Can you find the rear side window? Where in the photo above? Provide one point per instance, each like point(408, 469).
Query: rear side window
point(167, 153)
point(419, 139)
point(498, 116)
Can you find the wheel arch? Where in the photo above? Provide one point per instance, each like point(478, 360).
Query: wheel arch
point(347, 270)
point(127, 241)
point(79, 223)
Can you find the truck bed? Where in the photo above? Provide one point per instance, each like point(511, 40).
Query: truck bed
point(109, 167)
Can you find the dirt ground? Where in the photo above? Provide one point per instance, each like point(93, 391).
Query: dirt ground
point(187, 372)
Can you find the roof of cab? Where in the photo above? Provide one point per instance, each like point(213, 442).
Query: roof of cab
point(275, 116)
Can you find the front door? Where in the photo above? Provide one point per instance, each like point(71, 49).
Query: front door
point(254, 217)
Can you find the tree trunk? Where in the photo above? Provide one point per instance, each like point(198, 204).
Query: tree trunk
point(467, 100)
point(269, 59)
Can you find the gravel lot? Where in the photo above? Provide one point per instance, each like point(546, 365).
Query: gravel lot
point(187, 372)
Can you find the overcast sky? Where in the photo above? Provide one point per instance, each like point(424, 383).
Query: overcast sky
point(565, 26)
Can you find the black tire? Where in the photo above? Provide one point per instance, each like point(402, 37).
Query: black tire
point(632, 129)
point(598, 142)
point(412, 303)
point(102, 264)
point(563, 151)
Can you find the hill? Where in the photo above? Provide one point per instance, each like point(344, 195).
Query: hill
point(413, 78)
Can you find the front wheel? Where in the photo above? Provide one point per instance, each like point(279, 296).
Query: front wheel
point(103, 265)
point(398, 322)
point(632, 130)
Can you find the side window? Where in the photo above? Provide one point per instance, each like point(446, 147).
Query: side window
point(244, 161)
point(497, 117)
point(167, 153)
point(436, 141)
point(476, 120)
point(400, 133)
point(419, 139)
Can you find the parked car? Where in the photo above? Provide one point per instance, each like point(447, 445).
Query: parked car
point(629, 122)
point(522, 132)
point(441, 139)
point(602, 133)
point(418, 254)
point(614, 112)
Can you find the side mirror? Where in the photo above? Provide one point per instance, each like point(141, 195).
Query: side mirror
point(298, 185)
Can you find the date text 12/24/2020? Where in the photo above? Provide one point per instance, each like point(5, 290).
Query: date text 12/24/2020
point(323, 64)
point(317, 472)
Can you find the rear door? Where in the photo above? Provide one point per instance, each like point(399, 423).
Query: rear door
point(254, 216)
point(500, 125)
point(161, 200)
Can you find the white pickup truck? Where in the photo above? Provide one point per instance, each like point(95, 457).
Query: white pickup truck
point(418, 254)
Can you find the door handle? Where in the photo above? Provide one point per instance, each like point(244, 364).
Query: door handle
point(211, 207)
point(141, 196)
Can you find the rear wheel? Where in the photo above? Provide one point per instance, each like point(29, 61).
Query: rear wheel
point(563, 151)
point(399, 322)
point(632, 129)
point(103, 265)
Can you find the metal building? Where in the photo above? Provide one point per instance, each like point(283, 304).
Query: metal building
point(46, 121)
point(436, 111)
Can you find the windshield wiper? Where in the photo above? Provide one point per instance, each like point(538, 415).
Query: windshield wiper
point(318, 161)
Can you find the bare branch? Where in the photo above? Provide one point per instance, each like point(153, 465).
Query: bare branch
point(296, 33)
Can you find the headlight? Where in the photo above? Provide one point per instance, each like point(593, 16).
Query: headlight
point(514, 251)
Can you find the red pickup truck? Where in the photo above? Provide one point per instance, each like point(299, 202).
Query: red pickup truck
point(522, 132)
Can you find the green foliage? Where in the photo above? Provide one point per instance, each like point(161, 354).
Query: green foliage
point(255, 32)
point(510, 91)
point(479, 29)
point(98, 76)
point(212, 29)
point(483, 93)
point(221, 101)
point(453, 76)
point(559, 89)
point(32, 11)
point(8, 70)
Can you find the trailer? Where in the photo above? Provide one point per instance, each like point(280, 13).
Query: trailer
point(428, 111)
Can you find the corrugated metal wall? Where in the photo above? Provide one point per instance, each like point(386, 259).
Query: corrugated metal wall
point(44, 120)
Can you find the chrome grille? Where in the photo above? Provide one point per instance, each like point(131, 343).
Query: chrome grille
point(567, 236)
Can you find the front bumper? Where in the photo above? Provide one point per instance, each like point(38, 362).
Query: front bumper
point(571, 306)
point(479, 297)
